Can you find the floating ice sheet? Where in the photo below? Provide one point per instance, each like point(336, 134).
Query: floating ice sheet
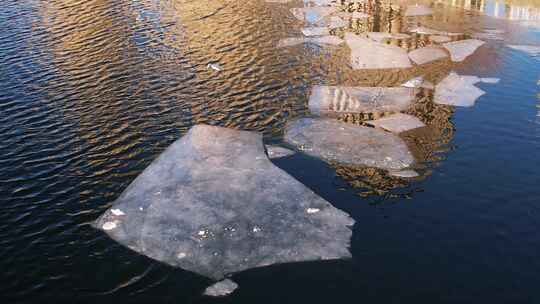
point(427, 54)
point(335, 141)
point(418, 10)
point(404, 174)
point(321, 40)
point(459, 90)
point(332, 100)
point(397, 123)
point(460, 50)
point(367, 54)
point(214, 204)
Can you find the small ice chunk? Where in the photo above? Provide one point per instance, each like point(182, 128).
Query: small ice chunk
point(278, 152)
point(214, 66)
point(418, 82)
point(117, 212)
point(109, 226)
point(201, 233)
point(460, 50)
point(312, 210)
point(256, 229)
point(427, 54)
point(181, 255)
point(315, 31)
point(458, 90)
point(490, 80)
point(429, 31)
point(418, 10)
point(221, 288)
point(404, 173)
point(397, 123)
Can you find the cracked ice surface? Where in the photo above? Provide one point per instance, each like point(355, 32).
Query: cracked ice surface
point(458, 90)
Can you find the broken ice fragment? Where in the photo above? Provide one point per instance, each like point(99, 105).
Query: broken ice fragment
point(458, 90)
point(367, 54)
point(335, 141)
point(381, 36)
point(404, 173)
point(427, 54)
point(278, 152)
point(331, 100)
point(418, 82)
point(460, 50)
point(439, 39)
point(397, 123)
point(221, 288)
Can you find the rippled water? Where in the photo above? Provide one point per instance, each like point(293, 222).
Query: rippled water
point(91, 91)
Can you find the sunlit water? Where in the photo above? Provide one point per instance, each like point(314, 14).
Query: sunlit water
point(91, 91)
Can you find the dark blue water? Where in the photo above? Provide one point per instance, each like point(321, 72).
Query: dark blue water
point(91, 91)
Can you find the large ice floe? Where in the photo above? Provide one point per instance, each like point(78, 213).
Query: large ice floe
point(461, 49)
point(335, 100)
point(368, 54)
point(214, 204)
point(459, 90)
point(343, 143)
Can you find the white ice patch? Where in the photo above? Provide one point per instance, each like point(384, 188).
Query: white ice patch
point(117, 212)
point(312, 210)
point(109, 226)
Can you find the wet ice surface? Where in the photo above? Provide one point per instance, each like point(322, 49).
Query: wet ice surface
point(332, 100)
point(339, 142)
point(460, 90)
point(367, 54)
point(397, 123)
point(214, 204)
point(418, 82)
point(315, 31)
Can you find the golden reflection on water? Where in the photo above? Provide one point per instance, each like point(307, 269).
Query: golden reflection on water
point(152, 59)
